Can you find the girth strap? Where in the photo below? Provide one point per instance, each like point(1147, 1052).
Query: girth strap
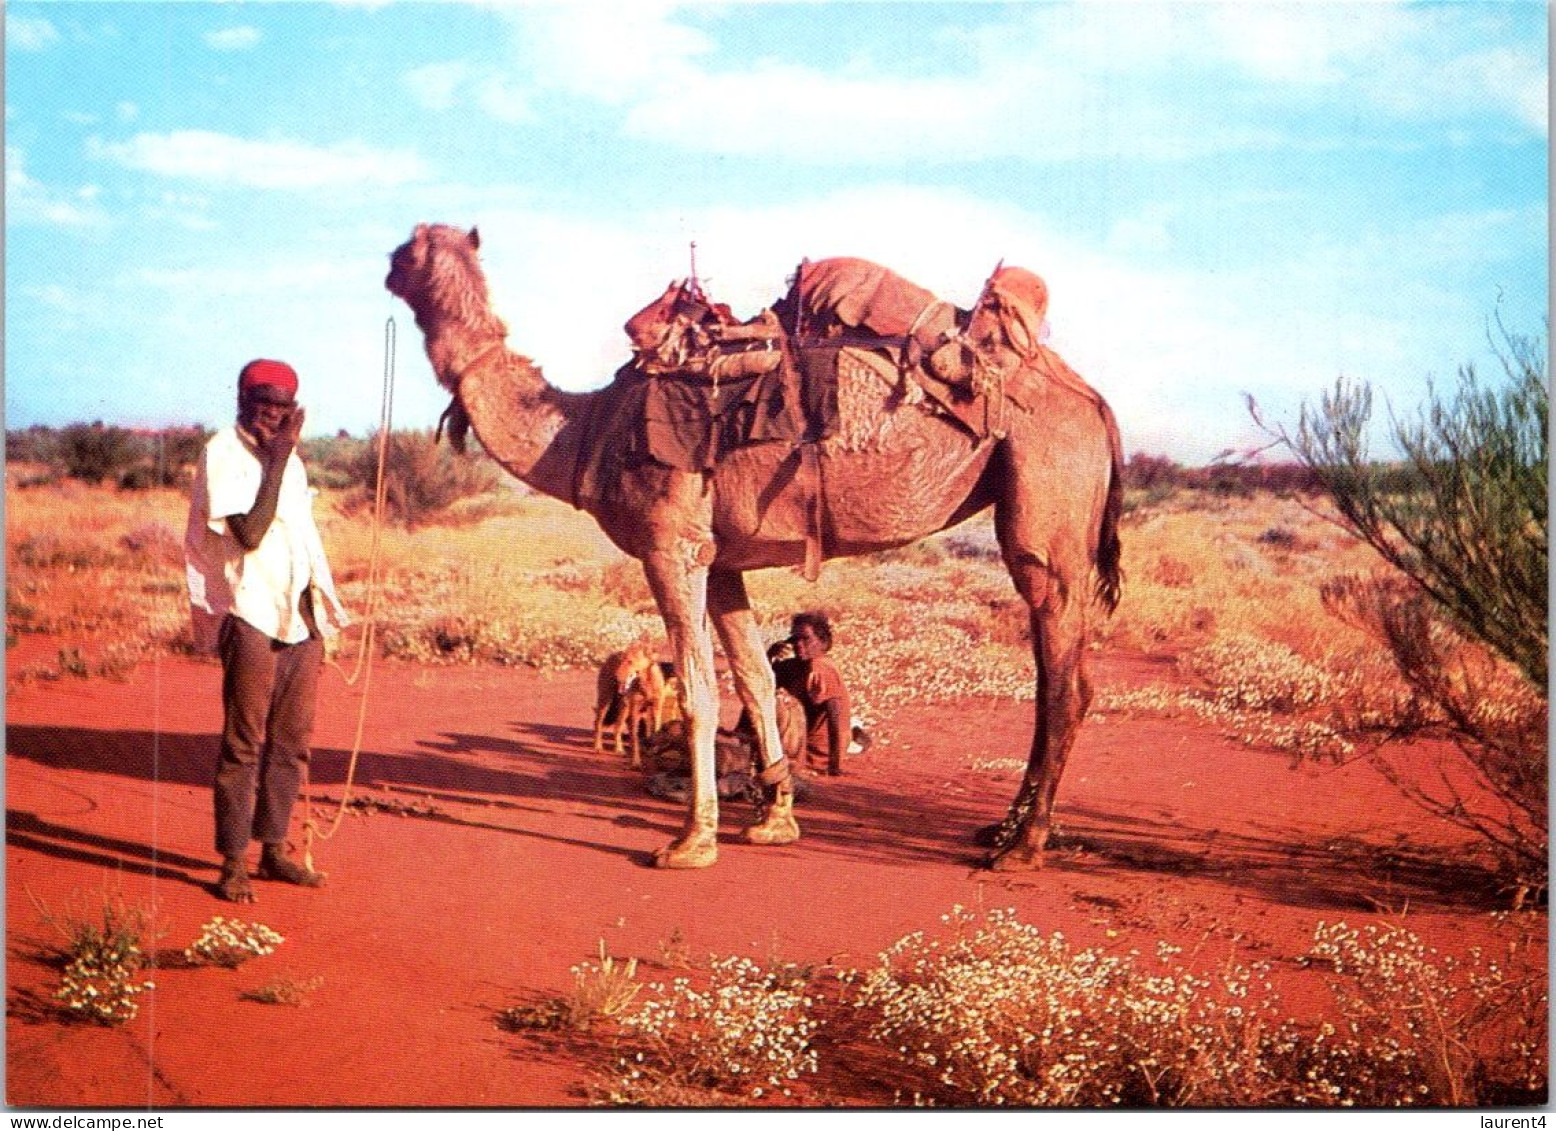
point(810, 485)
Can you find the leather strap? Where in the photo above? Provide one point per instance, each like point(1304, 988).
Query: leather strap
point(776, 774)
point(811, 488)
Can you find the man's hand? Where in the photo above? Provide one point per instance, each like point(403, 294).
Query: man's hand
point(287, 431)
point(276, 441)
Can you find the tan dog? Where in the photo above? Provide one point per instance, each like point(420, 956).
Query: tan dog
point(631, 692)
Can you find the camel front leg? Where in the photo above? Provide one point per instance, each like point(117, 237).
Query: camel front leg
point(679, 581)
point(737, 629)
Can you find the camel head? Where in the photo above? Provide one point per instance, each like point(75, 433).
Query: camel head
point(438, 274)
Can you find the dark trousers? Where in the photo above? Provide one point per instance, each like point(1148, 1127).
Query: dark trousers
point(268, 691)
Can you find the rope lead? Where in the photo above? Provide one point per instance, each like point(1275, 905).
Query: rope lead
point(363, 668)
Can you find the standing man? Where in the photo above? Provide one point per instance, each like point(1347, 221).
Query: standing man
point(262, 598)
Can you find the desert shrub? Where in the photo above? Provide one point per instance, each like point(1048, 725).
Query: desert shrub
point(1251, 674)
point(975, 543)
point(154, 542)
point(624, 583)
point(48, 550)
point(500, 619)
point(1156, 478)
point(1470, 527)
point(94, 452)
point(103, 957)
point(422, 478)
point(989, 1011)
point(166, 458)
point(180, 449)
point(38, 444)
point(746, 1035)
point(288, 989)
point(231, 942)
point(1464, 518)
point(997, 1014)
point(335, 462)
point(1144, 471)
point(1425, 1028)
point(601, 989)
point(1498, 721)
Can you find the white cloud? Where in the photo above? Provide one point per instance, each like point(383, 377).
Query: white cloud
point(1518, 79)
point(1420, 63)
point(292, 277)
point(1133, 234)
point(609, 51)
point(445, 86)
point(1050, 82)
point(1304, 45)
point(504, 100)
point(240, 38)
point(29, 33)
point(436, 85)
point(64, 300)
point(269, 164)
point(29, 201)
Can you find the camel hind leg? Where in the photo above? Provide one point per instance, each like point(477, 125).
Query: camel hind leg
point(1058, 612)
point(754, 683)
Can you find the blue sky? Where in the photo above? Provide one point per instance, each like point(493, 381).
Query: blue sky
point(1250, 198)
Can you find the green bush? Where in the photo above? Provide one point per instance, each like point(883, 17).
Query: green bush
point(1463, 520)
point(96, 452)
point(422, 478)
point(38, 444)
point(332, 461)
point(1468, 524)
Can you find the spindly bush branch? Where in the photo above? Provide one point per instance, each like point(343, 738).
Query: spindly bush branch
point(1464, 516)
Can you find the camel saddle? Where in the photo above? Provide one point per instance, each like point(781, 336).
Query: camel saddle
point(702, 383)
point(709, 383)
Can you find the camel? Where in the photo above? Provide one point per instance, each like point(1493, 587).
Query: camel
point(896, 471)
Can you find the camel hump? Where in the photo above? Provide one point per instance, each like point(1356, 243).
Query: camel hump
point(835, 296)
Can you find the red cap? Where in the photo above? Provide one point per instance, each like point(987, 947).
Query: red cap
point(277, 374)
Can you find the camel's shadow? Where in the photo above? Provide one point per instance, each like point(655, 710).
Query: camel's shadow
point(515, 784)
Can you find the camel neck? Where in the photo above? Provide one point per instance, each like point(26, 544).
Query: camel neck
point(521, 420)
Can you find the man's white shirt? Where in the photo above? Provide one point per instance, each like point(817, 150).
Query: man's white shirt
point(262, 586)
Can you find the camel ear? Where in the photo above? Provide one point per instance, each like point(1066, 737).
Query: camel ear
point(475, 239)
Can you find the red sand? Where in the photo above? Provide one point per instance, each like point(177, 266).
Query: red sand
point(539, 850)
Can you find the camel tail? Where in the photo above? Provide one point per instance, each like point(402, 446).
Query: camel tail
point(1110, 549)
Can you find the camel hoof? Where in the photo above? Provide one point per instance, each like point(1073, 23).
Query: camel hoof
point(988, 836)
point(693, 851)
point(1017, 858)
point(774, 831)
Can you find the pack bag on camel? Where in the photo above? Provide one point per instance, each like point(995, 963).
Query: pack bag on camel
point(702, 383)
